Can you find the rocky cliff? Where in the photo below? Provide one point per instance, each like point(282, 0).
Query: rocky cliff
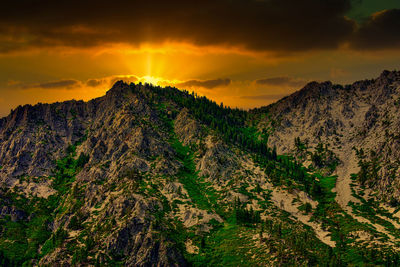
point(348, 119)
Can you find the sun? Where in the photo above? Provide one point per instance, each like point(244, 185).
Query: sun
point(150, 79)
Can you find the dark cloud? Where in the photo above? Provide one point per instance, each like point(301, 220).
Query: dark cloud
point(282, 81)
point(256, 25)
point(94, 82)
point(264, 97)
point(72, 84)
point(60, 84)
point(381, 30)
point(109, 81)
point(273, 25)
point(209, 84)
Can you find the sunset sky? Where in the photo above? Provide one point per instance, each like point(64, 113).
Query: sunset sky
point(245, 53)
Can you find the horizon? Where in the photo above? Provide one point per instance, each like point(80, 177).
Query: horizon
point(246, 54)
point(189, 91)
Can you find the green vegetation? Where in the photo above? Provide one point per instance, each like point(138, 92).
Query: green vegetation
point(369, 169)
point(324, 158)
point(230, 245)
point(198, 190)
point(241, 219)
point(261, 241)
point(235, 127)
point(247, 237)
point(371, 209)
point(245, 216)
point(21, 238)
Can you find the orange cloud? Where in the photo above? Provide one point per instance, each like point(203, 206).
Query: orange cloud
point(50, 85)
point(282, 81)
point(264, 97)
point(209, 84)
point(110, 80)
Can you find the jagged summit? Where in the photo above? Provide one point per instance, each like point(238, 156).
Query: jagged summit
point(118, 87)
point(392, 75)
point(380, 90)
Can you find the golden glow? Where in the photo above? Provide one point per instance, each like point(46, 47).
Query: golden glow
point(150, 79)
point(173, 64)
point(182, 49)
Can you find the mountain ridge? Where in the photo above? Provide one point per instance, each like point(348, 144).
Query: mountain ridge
point(151, 176)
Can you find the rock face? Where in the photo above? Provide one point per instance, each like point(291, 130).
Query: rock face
point(358, 116)
point(117, 134)
point(149, 176)
point(32, 137)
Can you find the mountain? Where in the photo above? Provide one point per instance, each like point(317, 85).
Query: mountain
point(357, 122)
point(151, 176)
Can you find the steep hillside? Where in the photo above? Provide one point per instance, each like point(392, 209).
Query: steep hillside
point(357, 122)
point(350, 132)
point(151, 176)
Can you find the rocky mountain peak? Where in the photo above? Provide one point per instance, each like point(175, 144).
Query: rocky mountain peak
point(118, 88)
point(389, 75)
point(316, 89)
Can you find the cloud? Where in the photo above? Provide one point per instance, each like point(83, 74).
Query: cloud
point(67, 84)
point(380, 31)
point(282, 81)
point(110, 80)
point(94, 82)
point(264, 97)
point(209, 84)
point(253, 25)
point(51, 85)
point(268, 25)
point(58, 84)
